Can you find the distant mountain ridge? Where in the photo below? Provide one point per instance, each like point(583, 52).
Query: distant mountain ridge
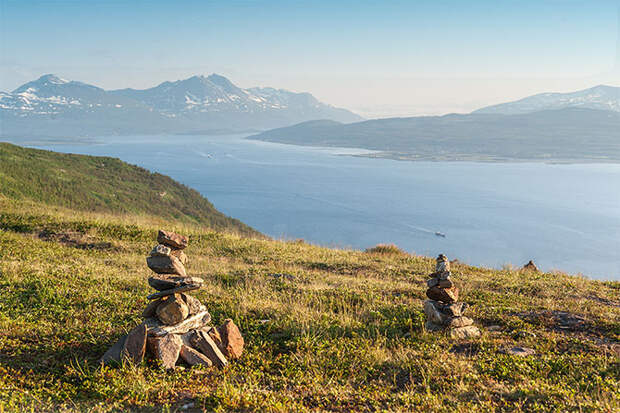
point(54, 106)
point(599, 97)
point(566, 135)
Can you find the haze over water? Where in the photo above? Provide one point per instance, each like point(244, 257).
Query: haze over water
point(564, 217)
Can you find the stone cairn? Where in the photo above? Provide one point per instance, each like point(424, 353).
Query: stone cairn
point(175, 323)
point(443, 311)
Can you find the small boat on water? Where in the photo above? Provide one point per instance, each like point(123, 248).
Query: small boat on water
point(439, 234)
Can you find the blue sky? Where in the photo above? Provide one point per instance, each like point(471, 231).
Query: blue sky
point(377, 57)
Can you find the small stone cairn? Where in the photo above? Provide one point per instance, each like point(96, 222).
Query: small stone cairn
point(175, 323)
point(443, 311)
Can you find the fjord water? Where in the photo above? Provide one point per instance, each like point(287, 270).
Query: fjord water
point(564, 217)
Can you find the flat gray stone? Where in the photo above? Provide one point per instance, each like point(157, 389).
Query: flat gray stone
point(181, 289)
point(160, 250)
point(194, 357)
point(430, 326)
point(135, 344)
point(157, 328)
point(166, 265)
point(113, 355)
point(202, 341)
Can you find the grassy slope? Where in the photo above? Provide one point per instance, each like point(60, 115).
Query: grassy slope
point(101, 184)
point(344, 335)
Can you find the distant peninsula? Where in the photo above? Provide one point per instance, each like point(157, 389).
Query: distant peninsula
point(578, 127)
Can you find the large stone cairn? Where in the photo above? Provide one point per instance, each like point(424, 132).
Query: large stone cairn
point(443, 311)
point(175, 323)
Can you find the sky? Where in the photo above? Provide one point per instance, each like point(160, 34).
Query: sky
point(377, 58)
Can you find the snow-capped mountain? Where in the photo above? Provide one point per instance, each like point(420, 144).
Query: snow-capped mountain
point(54, 106)
point(600, 97)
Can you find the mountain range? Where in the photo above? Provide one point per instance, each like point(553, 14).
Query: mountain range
point(579, 126)
point(52, 106)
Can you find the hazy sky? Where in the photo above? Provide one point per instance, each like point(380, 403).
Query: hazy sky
point(378, 58)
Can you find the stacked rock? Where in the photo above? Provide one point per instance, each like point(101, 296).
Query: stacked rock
point(443, 312)
point(176, 323)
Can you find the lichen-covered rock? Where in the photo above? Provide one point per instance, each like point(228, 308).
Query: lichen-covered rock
point(194, 357)
point(455, 309)
point(232, 340)
point(166, 349)
point(193, 304)
point(168, 282)
point(151, 308)
point(160, 250)
point(465, 332)
point(156, 328)
point(432, 282)
point(446, 295)
point(461, 321)
point(167, 264)
point(433, 312)
point(202, 341)
point(172, 239)
point(135, 344)
point(172, 310)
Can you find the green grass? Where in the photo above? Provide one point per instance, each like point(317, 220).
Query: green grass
point(345, 333)
point(102, 184)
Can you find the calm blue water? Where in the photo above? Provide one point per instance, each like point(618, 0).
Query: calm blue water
point(564, 217)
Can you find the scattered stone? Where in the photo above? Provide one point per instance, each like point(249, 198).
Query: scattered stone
point(207, 346)
point(193, 304)
point(172, 291)
point(172, 310)
point(460, 322)
point(530, 266)
point(166, 349)
point(232, 340)
point(160, 250)
point(194, 357)
point(172, 239)
point(135, 345)
point(157, 328)
point(494, 328)
point(465, 332)
point(446, 295)
point(520, 351)
point(113, 355)
point(165, 265)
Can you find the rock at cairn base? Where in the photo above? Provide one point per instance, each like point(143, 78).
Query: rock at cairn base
point(166, 349)
point(231, 339)
point(530, 266)
point(443, 312)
